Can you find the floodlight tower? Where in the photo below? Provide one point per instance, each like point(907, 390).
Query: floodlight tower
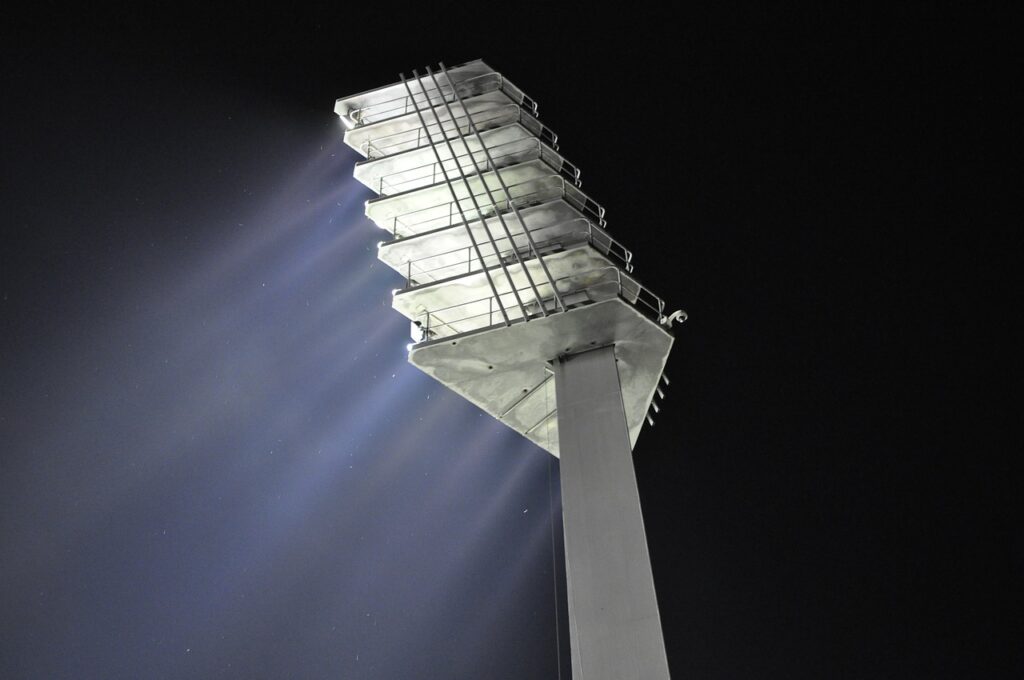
point(522, 302)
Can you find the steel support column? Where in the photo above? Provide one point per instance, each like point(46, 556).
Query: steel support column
point(614, 626)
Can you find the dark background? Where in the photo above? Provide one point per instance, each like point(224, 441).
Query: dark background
point(215, 462)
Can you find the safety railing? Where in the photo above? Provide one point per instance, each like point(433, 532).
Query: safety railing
point(502, 155)
point(595, 285)
point(485, 119)
point(522, 194)
point(430, 96)
point(463, 261)
point(584, 203)
point(408, 140)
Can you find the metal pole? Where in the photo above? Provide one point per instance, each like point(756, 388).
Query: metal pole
point(614, 625)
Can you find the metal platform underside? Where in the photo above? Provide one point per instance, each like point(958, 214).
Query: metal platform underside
point(463, 303)
point(528, 194)
point(383, 96)
point(418, 167)
point(539, 218)
point(503, 370)
point(406, 131)
point(432, 207)
point(448, 251)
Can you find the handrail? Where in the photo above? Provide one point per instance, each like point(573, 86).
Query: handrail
point(375, 150)
point(445, 211)
point(430, 96)
point(372, 149)
point(374, 113)
point(633, 292)
point(529, 148)
point(588, 233)
point(431, 170)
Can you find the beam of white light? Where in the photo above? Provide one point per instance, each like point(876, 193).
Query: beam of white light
point(250, 406)
point(468, 562)
point(513, 576)
point(260, 231)
point(310, 484)
point(521, 458)
point(222, 365)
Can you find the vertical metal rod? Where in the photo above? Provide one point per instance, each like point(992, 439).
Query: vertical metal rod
point(529, 237)
point(455, 198)
point(487, 189)
point(476, 205)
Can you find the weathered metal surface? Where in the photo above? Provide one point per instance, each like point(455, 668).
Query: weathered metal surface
point(495, 367)
point(448, 251)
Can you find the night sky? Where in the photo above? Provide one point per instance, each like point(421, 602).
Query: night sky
point(216, 462)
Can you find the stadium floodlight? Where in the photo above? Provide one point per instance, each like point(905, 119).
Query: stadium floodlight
point(523, 303)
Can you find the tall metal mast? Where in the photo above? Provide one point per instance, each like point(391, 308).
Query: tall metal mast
point(511, 279)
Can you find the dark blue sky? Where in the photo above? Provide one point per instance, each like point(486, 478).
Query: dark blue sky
point(216, 463)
